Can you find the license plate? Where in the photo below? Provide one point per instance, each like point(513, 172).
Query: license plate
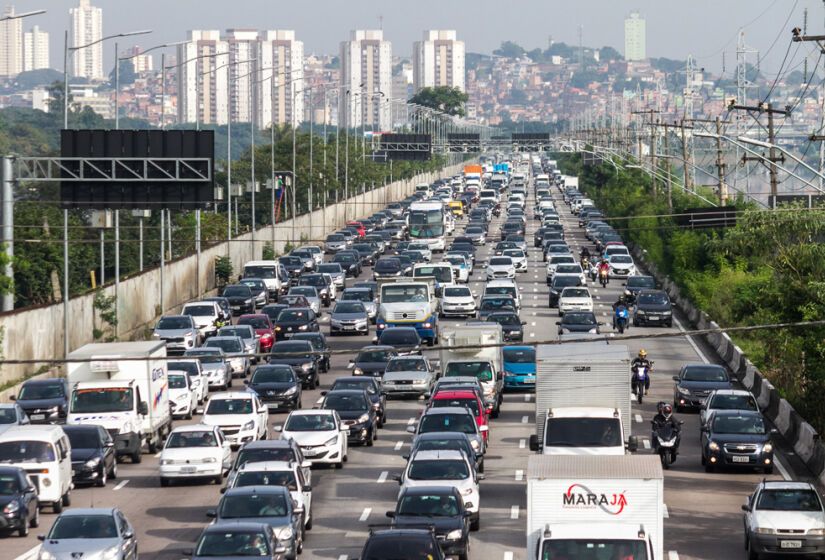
point(528, 380)
point(310, 453)
point(288, 334)
point(188, 469)
point(348, 327)
point(236, 307)
point(652, 316)
point(38, 416)
point(740, 459)
point(790, 544)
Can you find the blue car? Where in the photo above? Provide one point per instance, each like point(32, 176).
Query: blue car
point(519, 367)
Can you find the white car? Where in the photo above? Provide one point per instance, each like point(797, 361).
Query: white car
point(317, 253)
point(197, 378)
point(461, 268)
point(423, 248)
point(519, 257)
point(727, 399)
point(503, 288)
point(457, 301)
point(575, 298)
point(182, 398)
point(195, 451)
point(408, 375)
point(279, 473)
point(500, 267)
point(240, 415)
point(571, 269)
point(320, 434)
point(554, 262)
point(621, 266)
point(444, 468)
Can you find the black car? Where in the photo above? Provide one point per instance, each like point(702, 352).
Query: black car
point(512, 327)
point(223, 303)
point(294, 320)
point(635, 284)
point(373, 388)
point(372, 360)
point(273, 310)
point(395, 544)
point(294, 265)
point(18, 501)
point(388, 267)
point(404, 339)
point(277, 386)
point(653, 307)
point(440, 507)
point(538, 235)
point(357, 412)
point(44, 400)
point(93, 454)
point(299, 355)
point(737, 438)
point(349, 262)
point(319, 344)
point(241, 299)
point(559, 283)
point(510, 228)
point(578, 322)
point(502, 246)
point(242, 539)
point(438, 441)
point(319, 283)
point(695, 382)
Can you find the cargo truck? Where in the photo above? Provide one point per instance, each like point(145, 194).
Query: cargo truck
point(476, 350)
point(594, 507)
point(583, 400)
point(128, 397)
point(408, 303)
point(473, 172)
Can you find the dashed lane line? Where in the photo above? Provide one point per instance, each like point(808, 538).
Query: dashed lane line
point(525, 419)
point(519, 475)
point(121, 484)
point(639, 418)
point(399, 445)
point(365, 514)
point(513, 512)
point(382, 478)
point(522, 443)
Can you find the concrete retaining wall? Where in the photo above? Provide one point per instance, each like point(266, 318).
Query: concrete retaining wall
point(37, 333)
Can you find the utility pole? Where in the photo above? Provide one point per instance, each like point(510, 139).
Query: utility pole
point(759, 109)
point(799, 37)
point(688, 182)
point(720, 165)
point(669, 185)
point(652, 125)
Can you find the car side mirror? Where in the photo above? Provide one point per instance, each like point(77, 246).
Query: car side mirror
point(396, 477)
point(211, 514)
point(188, 552)
point(109, 444)
point(633, 444)
point(41, 537)
point(30, 490)
point(306, 464)
point(405, 456)
point(773, 431)
point(278, 428)
point(411, 429)
point(558, 322)
point(391, 514)
point(746, 507)
point(223, 490)
point(704, 429)
point(481, 476)
point(675, 378)
point(483, 429)
point(246, 381)
point(13, 398)
point(143, 408)
point(307, 488)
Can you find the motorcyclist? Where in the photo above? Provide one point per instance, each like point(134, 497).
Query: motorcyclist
point(664, 417)
point(641, 361)
point(604, 268)
point(621, 302)
point(584, 253)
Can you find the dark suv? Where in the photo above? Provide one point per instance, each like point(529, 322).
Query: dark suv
point(440, 507)
point(44, 400)
point(392, 544)
point(653, 307)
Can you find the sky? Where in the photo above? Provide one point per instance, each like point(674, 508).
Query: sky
point(704, 28)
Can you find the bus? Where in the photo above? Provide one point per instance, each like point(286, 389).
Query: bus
point(428, 221)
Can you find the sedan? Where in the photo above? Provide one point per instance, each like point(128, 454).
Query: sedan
point(300, 356)
point(653, 307)
point(349, 317)
point(18, 501)
point(621, 266)
point(259, 290)
point(241, 539)
point(319, 282)
point(371, 385)
point(476, 235)
point(578, 322)
point(214, 367)
point(461, 267)
point(405, 340)
point(182, 397)
point(294, 320)
point(179, 332)
point(241, 299)
point(695, 382)
point(198, 451)
point(457, 301)
point(519, 257)
point(637, 283)
point(408, 375)
point(442, 509)
point(737, 438)
point(319, 344)
point(511, 326)
point(572, 269)
point(500, 267)
point(727, 399)
point(357, 412)
point(90, 533)
point(277, 387)
point(575, 299)
point(294, 265)
point(372, 360)
point(312, 295)
point(320, 434)
point(491, 304)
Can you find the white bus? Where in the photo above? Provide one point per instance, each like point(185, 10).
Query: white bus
point(428, 221)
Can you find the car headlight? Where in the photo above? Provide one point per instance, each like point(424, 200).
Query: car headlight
point(455, 535)
point(474, 444)
point(640, 312)
point(188, 336)
point(285, 534)
point(111, 553)
point(46, 555)
point(765, 531)
point(683, 391)
point(92, 463)
point(248, 300)
point(307, 366)
point(816, 531)
point(166, 462)
point(195, 382)
point(303, 327)
point(11, 508)
point(331, 441)
point(291, 391)
point(666, 312)
point(713, 446)
point(358, 371)
point(363, 418)
point(210, 459)
point(466, 491)
point(335, 322)
point(593, 331)
point(565, 331)
point(419, 381)
point(181, 398)
point(248, 426)
point(767, 448)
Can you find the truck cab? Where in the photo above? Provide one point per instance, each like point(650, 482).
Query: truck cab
point(568, 540)
point(404, 303)
point(582, 431)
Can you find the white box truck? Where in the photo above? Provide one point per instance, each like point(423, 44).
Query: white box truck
point(570, 181)
point(594, 507)
point(123, 387)
point(465, 350)
point(583, 400)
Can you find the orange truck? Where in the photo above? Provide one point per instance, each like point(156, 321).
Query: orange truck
point(473, 172)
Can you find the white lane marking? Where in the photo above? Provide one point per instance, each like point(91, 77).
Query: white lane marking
point(522, 443)
point(534, 314)
point(646, 443)
point(665, 512)
point(365, 514)
point(382, 477)
point(639, 418)
point(29, 553)
point(121, 484)
point(411, 421)
point(535, 289)
point(158, 454)
point(525, 419)
point(513, 512)
point(399, 445)
point(672, 555)
point(508, 555)
point(690, 340)
point(343, 557)
point(535, 297)
point(782, 470)
point(527, 397)
point(519, 475)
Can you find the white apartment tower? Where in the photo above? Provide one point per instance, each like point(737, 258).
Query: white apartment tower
point(243, 47)
point(203, 78)
point(281, 60)
point(140, 62)
point(438, 60)
point(35, 49)
point(366, 80)
point(634, 37)
point(87, 27)
point(11, 42)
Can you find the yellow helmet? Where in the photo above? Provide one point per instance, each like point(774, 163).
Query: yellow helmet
point(642, 353)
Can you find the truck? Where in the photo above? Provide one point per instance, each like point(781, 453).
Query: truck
point(404, 302)
point(580, 504)
point(123, 387)
point(568, 181)
point(473, 172)
point(583, 400)
point(479, 353)
point(266, 271)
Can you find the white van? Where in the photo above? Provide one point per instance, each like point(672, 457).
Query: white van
point(44, 452)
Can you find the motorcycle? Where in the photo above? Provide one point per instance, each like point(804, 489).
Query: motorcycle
point(603, 277)
point(640, 374)
point(585, 263)
point(667, 440)
point(620, 319)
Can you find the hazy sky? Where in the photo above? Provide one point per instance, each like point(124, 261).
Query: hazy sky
point(704, 28)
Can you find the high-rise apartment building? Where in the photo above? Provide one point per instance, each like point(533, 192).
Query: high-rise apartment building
point(140, 62)
point(281, 60)
point(11, 43)
point(634, 37)
point(203, 78)
point(35, 49)
point(86, 28)
point(366, 80)
point(438, 60)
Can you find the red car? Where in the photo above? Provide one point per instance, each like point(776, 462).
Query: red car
point(263, 328)
point(362, 231)
point(452, 397)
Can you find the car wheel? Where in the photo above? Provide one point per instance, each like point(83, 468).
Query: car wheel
point(102, 479)
point(23, 531)
point(476, 525)
point(164, 482)
point(669, 323)
point(752, 554)
point(57, 506)
point(708, 467)
point(768, 470)
point(369, 440)
point(219, 479)
point(35, 522)
point(67, 498)
point(113, 471)
point(308, 526)
point(339, 465)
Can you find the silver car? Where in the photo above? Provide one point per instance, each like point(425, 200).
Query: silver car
point(336, 242)
point(232, 345)
point(251, 342)
point(259, 290)
point(12, 414)
point(408, 375)
point(90, 533)
point(311, 293)
point(364, 295)
point(179, 332)
point(339, 277)
point(213, 365)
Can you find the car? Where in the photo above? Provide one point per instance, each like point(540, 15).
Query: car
point(556, 249)
point(511, 228)
point(396, 543)
point(784, 518)
point(356, 411)
point(179, 332)
point(260, 293)
point(371, 385)
point(18, 501)
point(457, 301)
point(198, 451)
point(272, 310)
point(416, 257)
point(206, 314)
point(512, 326)
point(571, 269)
point(279, 473)
point(653, 307)
point(90, 533)
point(241, 299)
point(637, 283)
point(503, 288)
point(240, 416)
point(339, 277)
point(461, 267)
point(295, 300)
point(319, 345)
point(233, 346)
point(519, 257)
point(349, 317)
point(500, 267)
point(436, 441)
point(351, 263)
point(365, 296)
point(727, 399)
point(224, 308)
point(312, 295)
point(476, 234)
point(293, 265)
point(335, 242)
point(440, 507)
point(182, 397)
point(301, 357)
point(372, 360)
point(387, 267)
point(277, 387)
point(408, 375)
point(214, 367)
point(737, 438)
point(491, 304)
point(263, 336)
point(269, 505)
point(451, 419)
point(251, 342)
point(422, 248)
point(321, 284)
point(241, 539)
point(307, 258)
point(559, 283)
point(451, 397)
point(519, 365)
point(321, 435)
point(405, 340)
point(45, 401)
point(575, 298)
point(553, 262)
point(695, 382)
point(269, 450)
point(578, 322)
point(450, 468)
point(294, 320)
point(12, 414)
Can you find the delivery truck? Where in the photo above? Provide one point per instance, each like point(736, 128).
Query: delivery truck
point(583, 400)
point(577, 505)
point(475, 349)
point(473, 172)
point(123, 387)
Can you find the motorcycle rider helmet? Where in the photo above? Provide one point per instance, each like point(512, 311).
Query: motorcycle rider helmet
point(642, 353)
point(667, 411)
point(660, 407)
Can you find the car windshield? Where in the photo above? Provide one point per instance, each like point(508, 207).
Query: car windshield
point(330, 268)
point(293, 300)
point(594, 548)
point(7, 416)
point(291, 351)
point(653, 299)
point(174, 323)
point(177, 382)
point(396, 337)
point(241, 331)
point(429, 506)
point(645, 282)
point(447, 423)
point(387, 265)
point(729, 424)
point(397, 547)
point(257, 455)
point(565, 281)
point(293, 316)
point(396, 294)
point(443, 274)
point(500, 290)
point(228, 345)
point(621, 259)
point(207, 357)
point(262, 271)
point(458, 261)
point(203, 438)
point(291, 261)
point(732, 402)
point(790, 499)
point(26, 452)
point(349, 307)
point(568, 269)
point(583, 432)
point(237, 291)
point(335, 237)
point(38, 391)
point(232, 543)
point(307, 291)
point(457, 291)
point(438, 470)
point(83, 527)
point(706, 374)
point(514, 253)
point(573, 318)
point(356, 295)
point(469, 402)
point(495, 303)
point(501, 261)
point(201, 310)
point(355, 384)
point(566, 259)
point(406, 364)
point(229, 406)
point(267, 478)
point(272, 374)
point(509, 319)
point(480, 370)
point(256, 285)
point(252, 505)
point(575, 293)
point(254, 322)
point(374, 356)
point(520, 355)
point(345, 402)
point(102, 399)
point(310, 423)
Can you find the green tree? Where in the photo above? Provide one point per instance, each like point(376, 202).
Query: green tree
point(509, 49)
point(442, 98)
point(127, 73)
